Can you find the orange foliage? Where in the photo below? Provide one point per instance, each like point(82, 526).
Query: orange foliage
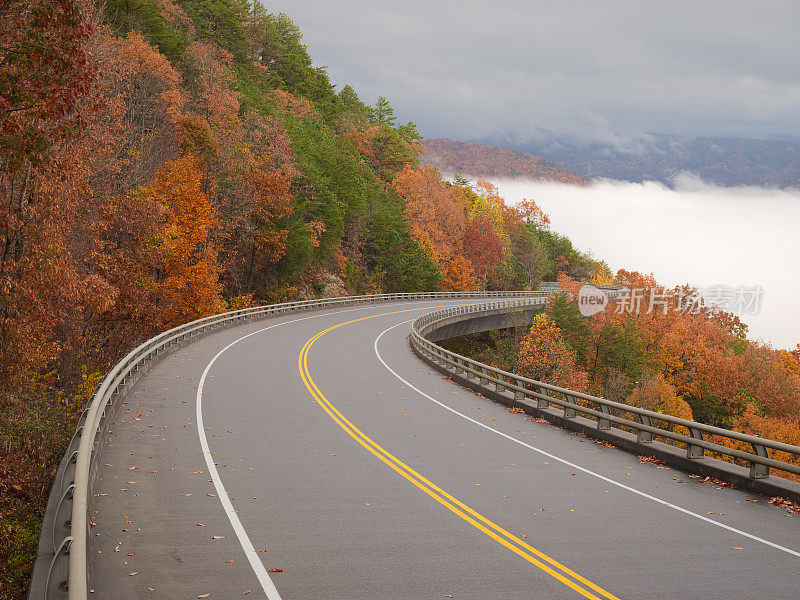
point(528, 211)
point(458, 276)
point(188, 284)
point(786, 430)
point(790, 360)
point(435, 219)
point(568, 284)
point(657, 395)
point(317, 229)
point(545, 356)
point(600, 276)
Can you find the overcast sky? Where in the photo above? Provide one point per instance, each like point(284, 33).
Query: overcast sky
point(469, 68)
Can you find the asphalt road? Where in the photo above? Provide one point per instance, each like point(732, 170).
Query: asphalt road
point(319, 458)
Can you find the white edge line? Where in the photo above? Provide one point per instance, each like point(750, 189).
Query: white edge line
point(571, 464)
point(244, 540)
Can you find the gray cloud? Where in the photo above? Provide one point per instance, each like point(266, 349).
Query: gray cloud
point(472, 68)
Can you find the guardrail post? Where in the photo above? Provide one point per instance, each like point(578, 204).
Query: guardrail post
point(481, 379)
point(468, 374)
point(518, 395)
point(58, 575)
point(570, 413)
point(644, 437)
point(62, 523)
point(693, 451)
point(542, 403)
point(601, 422)
point(68, 478)
point(498, 386)
point(458, 368)
point(757, 470)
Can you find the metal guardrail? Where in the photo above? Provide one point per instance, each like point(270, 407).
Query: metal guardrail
point(546, 394)
point(68, 574)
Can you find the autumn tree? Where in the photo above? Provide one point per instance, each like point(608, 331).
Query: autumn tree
point(483, 249)
point(435, 218)
point(186, 271)
point(458, 276)
point(655, 394)
point(545, 356)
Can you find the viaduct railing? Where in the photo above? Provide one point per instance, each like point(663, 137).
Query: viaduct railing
point(647, 424)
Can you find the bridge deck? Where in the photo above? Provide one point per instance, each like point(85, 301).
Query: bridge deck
point(330, 518)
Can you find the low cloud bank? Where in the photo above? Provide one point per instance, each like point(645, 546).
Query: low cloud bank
point(692, 233)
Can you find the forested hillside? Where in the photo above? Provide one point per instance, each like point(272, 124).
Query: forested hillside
point(164, 160)
point(480, 160)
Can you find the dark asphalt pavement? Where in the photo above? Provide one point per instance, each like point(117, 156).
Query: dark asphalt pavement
point(328, 519)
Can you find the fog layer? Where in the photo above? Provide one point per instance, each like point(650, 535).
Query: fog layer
point(695, 233)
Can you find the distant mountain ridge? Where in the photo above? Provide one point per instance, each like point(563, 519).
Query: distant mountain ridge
point(659, 157)
point(480, 160)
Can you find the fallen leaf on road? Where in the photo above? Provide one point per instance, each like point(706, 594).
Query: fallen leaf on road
point(275, 570)
point(792, 507)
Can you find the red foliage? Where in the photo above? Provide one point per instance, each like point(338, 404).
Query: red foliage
point(47, 68)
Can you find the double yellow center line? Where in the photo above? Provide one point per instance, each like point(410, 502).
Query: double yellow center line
point(571, 579)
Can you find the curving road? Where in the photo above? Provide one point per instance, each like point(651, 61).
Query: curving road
point(314, 456)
